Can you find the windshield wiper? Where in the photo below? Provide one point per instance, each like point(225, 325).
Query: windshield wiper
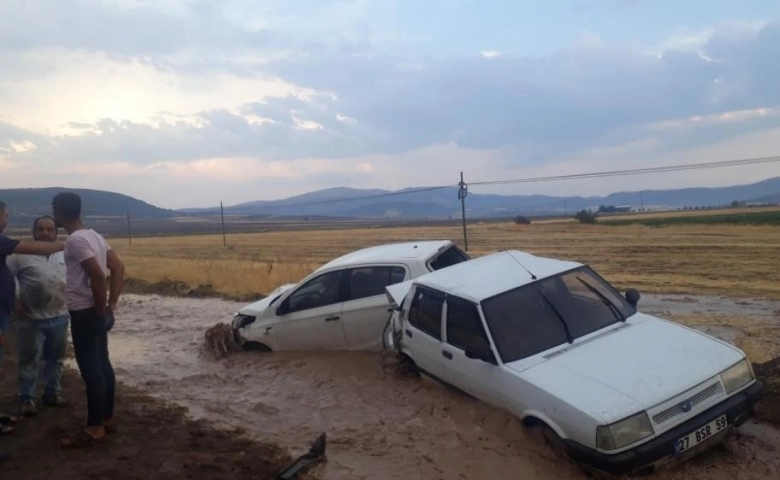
point(560, 317)
point(612, 307)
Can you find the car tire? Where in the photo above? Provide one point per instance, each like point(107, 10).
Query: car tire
point(408, 366)
point(256, 347)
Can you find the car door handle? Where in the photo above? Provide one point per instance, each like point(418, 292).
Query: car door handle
point(408, 333)
point(332, 319)
point(446, 354)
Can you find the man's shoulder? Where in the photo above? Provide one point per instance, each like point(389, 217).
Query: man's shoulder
point(85, 234)
point(7, 245)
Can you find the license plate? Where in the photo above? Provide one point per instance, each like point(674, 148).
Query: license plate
point(696, 437)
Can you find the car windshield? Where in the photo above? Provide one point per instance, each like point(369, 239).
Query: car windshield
point(552, 311)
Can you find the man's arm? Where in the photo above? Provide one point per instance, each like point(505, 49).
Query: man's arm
point(97, 281)
point(33, 247)
point(117, 269)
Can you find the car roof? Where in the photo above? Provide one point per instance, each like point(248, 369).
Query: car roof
point(390, 252)
point(489, 275)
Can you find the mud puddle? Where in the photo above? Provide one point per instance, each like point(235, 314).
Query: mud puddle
point(379, 425)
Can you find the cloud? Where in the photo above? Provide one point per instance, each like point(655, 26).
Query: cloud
point(176, 89)
point(542, 109)
point(122, 28)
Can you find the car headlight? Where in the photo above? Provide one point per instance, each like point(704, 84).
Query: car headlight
point(737, 376)
point(241, 320)
point(624, 432)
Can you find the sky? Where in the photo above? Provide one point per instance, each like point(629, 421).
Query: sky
point(189, 103)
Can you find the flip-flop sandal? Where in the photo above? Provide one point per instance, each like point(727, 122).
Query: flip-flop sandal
point(80, 440)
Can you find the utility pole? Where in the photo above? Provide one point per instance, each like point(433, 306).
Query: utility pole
point(642, 199)
point(222, 214)
point(129, 234)
point(463, 190)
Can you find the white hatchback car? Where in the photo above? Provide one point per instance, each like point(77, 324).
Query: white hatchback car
point(341, 305)
point(555, 344)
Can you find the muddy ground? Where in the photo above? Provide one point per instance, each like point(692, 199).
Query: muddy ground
point(156, 441)
point(380, 425)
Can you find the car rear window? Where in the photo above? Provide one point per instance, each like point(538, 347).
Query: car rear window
point(451, 256)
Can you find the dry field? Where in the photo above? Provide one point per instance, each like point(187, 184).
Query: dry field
point(740, 261)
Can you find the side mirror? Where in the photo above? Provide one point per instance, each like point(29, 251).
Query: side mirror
point(633, 296)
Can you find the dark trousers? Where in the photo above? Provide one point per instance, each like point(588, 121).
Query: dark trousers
point(90, 344)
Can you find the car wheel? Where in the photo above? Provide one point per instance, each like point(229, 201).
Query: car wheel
point(554, 441)
point(407, 365)
point(256, 347)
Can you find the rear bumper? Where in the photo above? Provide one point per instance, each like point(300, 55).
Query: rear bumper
point(738, 409)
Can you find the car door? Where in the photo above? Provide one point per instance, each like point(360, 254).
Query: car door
point(464, 331)
point(310, 317)
point(422, 330)
point(365, 311)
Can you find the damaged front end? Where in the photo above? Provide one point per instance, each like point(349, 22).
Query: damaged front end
point(240, 321)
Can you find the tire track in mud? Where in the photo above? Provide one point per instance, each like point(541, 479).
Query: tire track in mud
point(379, 425)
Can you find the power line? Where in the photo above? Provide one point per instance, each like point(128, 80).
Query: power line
point(636, 171)
point(365, 197)
point(609, 173)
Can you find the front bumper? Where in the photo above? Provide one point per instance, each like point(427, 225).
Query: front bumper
point(737, 409)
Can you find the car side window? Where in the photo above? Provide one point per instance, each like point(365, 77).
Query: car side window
point(317, 292)
point(464, 326)
point(371, 281)
point(425, 311)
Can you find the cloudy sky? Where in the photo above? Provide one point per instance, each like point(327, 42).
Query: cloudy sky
point(187, 103)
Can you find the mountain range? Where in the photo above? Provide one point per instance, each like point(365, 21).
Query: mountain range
point(29, 202)
point(443, 203)
point(401, 204)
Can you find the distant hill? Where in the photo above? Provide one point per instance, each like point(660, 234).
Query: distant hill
point(444, 203)
point(29, 202)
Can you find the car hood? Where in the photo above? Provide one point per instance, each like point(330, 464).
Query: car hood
point(647, 362)
point(259, 307)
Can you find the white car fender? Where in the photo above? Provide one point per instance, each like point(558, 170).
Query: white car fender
point(542, 417)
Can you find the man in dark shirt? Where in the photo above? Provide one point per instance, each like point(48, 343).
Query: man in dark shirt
point(8, 288)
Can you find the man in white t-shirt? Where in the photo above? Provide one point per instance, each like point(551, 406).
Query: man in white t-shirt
point(91, 304)
point(42, 319)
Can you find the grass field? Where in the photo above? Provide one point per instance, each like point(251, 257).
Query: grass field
point(739, 218)
point(734, 260)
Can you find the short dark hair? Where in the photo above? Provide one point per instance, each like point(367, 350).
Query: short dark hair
point(67, 205)
point(3, 207)
point(43, 217)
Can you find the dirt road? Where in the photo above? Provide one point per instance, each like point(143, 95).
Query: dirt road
point(155, 441)
point(379, 426)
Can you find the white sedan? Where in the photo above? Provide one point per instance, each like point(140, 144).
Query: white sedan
point(555, 344)
point(341, 305)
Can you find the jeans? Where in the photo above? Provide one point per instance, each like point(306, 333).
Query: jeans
point(36, 338)
point(5, 324)
point(90, 344)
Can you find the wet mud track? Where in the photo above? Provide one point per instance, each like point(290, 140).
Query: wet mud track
point(380, 425)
